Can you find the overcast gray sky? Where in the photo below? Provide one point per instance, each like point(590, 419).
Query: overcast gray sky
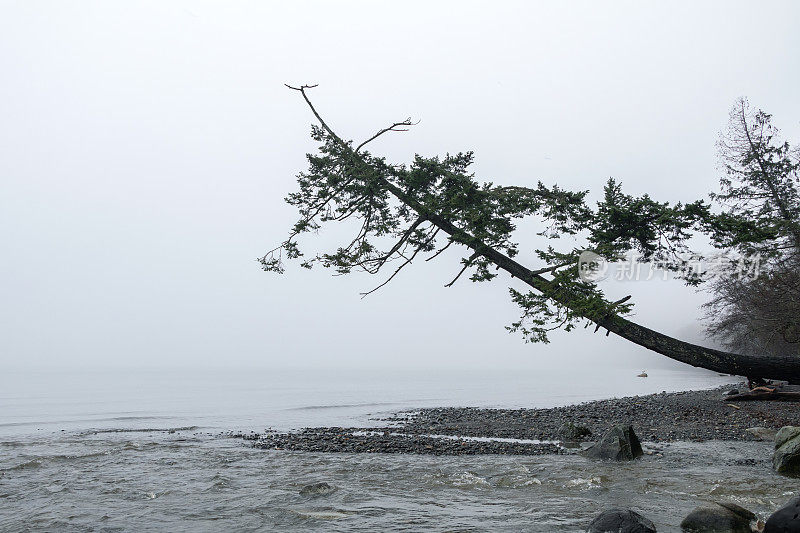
point(146, 147)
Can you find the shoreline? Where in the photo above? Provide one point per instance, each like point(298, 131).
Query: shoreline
point(694, 416)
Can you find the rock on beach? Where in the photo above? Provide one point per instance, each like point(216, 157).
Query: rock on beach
point(621, 521)
point(619, 443)
point(786, 519)
point(718, 517)
point(786, 459)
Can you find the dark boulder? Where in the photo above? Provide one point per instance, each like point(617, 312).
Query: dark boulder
point(621, 521)
point(786, 519)
point(719, 517)
point(570, 432)
point(619, 443)
point(786, 459)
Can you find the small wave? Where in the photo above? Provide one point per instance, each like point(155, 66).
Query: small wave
point(586, 483)
point(468, 479)
point(154, 495)
point(463, 479)
point(14, 443)
point(35, 423)
point(60, 458)
point(142, 430)
point(76, 457)
point(131, 417)
point(324, 514)
point(80, 420)
point(339, 406)
point(33, 463)
point(516, 481)
point(519, 476)
point(219, 483)
point(142, 446)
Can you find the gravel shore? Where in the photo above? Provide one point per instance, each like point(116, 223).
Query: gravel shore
point(354, 440)
point(685, 416)
point(665, 417)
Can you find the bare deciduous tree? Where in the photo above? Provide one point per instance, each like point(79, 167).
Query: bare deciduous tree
point(759, 191)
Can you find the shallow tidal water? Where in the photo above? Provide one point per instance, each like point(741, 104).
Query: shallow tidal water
point(161, 481)
point(106, 458)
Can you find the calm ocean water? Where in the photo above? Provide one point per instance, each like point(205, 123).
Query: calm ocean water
point(140, 451)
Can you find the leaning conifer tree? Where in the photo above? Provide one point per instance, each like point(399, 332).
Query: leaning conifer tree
point(407, 211)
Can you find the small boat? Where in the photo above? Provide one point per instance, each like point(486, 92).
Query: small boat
point(642, 375)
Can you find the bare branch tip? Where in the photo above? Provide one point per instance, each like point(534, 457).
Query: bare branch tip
point(302, 87)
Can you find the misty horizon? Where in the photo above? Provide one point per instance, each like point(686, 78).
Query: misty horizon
point(146, 153)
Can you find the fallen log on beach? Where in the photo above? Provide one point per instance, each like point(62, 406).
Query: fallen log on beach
point(774, 395)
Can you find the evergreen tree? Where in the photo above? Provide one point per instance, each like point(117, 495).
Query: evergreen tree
point(405, 211)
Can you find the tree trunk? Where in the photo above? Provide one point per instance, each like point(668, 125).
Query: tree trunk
point(786, 368)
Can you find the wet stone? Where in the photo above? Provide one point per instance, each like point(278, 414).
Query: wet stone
point(317, 489)
point(619, 443)
point(718, 517)
point(786, 519)
point(786, 459)
point(621, 521)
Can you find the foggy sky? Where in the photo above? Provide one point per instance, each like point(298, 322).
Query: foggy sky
point(146, 148)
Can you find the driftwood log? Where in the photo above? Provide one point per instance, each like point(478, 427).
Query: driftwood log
point(777, 393)
point(777, 396)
